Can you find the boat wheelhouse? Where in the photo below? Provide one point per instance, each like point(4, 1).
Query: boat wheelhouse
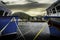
point(4, 11)
point(53, 15)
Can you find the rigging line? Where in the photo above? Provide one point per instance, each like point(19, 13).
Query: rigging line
point(19, 29)
point(5, 26)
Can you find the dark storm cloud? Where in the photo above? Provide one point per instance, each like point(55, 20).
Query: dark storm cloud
point(29, 6)
point(30, 1)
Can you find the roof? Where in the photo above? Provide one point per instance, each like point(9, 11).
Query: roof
point(53, 5)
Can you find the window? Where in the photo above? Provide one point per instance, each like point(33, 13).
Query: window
point(58, 8)
point(6, 14)
point(50, 11)
point(53, 10)
point(1, 12)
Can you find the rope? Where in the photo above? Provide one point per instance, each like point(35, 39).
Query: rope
point(19, 29)
point(39, 32)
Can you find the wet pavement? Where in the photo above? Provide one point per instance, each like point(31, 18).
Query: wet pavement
point(32, 30)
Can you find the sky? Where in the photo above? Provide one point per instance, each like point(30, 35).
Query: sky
point(32, 12)
point(27, 1)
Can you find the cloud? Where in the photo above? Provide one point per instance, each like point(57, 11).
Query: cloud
point(10, 0)
point(23, 1)
point(29, 5)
